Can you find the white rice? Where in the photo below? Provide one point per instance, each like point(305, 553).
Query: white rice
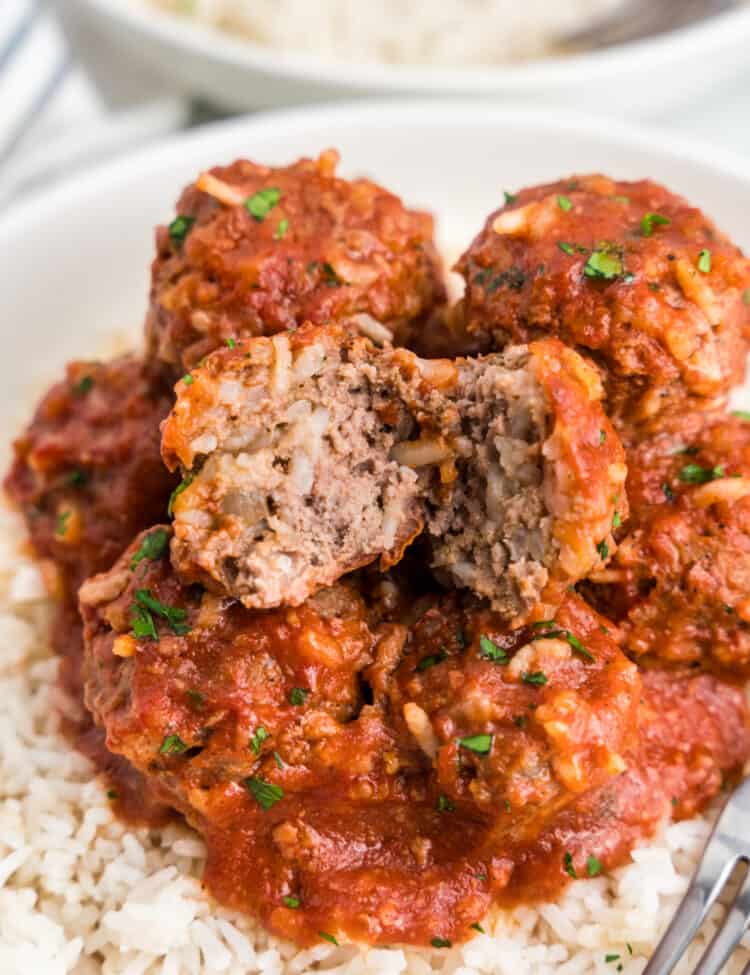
point(448, 32)
point(82, 893)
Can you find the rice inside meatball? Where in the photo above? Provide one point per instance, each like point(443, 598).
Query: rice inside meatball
point(256, 250)
point(308, 455)
point(627, 272)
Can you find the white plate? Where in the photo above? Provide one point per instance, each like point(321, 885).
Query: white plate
point(75, 260)
point(637, 79)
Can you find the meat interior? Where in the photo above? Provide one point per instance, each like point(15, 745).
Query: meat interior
point(309, 455)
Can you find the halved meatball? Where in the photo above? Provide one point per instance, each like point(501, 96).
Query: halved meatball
point(626, 271)
point(87, 474)
point(256, 250)
point(517, 721)
point(679, 584)
point(310, 454)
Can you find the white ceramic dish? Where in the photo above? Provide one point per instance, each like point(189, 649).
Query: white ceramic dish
point(76, 258)
point(640, 79)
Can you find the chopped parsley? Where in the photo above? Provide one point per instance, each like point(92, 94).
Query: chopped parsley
point(330, 276)
point(180, 228)
point(564, 203)
point(602, 436)
point(568, 867)
point(182, 486)
point(514, 278)
point(566, 635)
point(616, 519)
point(441, 943)
point(143, 610)
point(291, 902)
point(76, 477)
point(328, 937)
point(668, 492)
point(625, 200)
point(510, 197)
point(444, 804)
point(593, 866)
point(188, 379)
point(566, 248)
point(481, 744)
point(603, 549)
point(434, 658)
point(172, 745)
point(651, 220)
point(603, 265)
point(477, 927)
point(231, 343)
point(489, 650)
point(742, 414)
point(266, 794)
point(260, 204)
point(281, 229)
point(278, 759)
point(61, 522)
point(611, 958)
point(298, 696)
point(152, 547)
point(704, 261)
point(629, 947)
point(84, 385)
point(695, 474)
point(258, 738)
point(520, 721)
point(111, 794)
point(197, 700)
point(537, 678)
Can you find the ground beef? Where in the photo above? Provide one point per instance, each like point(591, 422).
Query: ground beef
point(311, 454)
point(625, 271)
point(256, 250)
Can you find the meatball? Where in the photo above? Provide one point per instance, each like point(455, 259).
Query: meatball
point(311, 454)
point(679, 584)
point(625, 271)
point(520, 721)
point(87, 473)
point(256, 250)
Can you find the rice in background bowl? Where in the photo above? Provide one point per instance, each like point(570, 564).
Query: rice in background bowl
point(419, 32)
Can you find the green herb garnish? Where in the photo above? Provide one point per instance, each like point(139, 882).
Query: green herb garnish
point(197, 700)
point(76, 477)
point(188, 379)
point(478, 927)
point(652, 220)
point(616, 519)
point(610, 958)
point(84, 385)
point(564, 203)
point(489, 650)
point(61, 522)
point(481, 744)
point(668, 492)
point(172, 745)
point(328, 937)
point(292, 902)
point(180, 228)
point(231, 344)
point(258, 738)
point(603, 549)
point(441, 943)
point(742, 414)
point(260, 204)
point(566, 248)
point(695, 474)
point(510, 197)
point(152, 547)
point(434, 658)
point(568, 867)
point(704, 261)
point(266, 794)
point(593, 866)
point(281, 229)
point(444, 804)
point(603, 265)
point(297, 696)
point(537, 678)
point(182, 486)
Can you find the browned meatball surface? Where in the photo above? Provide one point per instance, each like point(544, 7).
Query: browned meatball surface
point(626, 271)
point(679, 584)
point(310, 454)
point(256, 250)
point(87, 473)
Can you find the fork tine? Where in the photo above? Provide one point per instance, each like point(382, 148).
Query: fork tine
point(729, 933)
point(722, 853)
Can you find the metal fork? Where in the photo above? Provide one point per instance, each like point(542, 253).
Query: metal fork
point(727, 847)
point(636, 19)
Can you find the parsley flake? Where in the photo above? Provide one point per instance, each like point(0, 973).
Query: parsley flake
point(566, 248)
point(651, 220)
point(76, 477)
point(172, 745)
point(510, 197)
point(328, 937)
point(266, 794)
point(231, 343)
point(197, 700)
point(742, 414)
point(603, 265)
point(142, 615)
point(610, 958)
point(188, 379)
point(152, 547)
point(481, 744)
point(616, 519)
point(180, 228)
point(281, 229)
point(489, 650)
point(593, 866)
point(111, 794)
point(564, 203)
point(260, 204)
point(298, 696)
point(603, 549)
point(537, 678)
point(602, 436)
point(61, 522)
point(704, 261)
point(258, 738)
point(441, 943)
point(477, 927)
point(668, 492)
point(444, 804)
point(291, 902)
point(182, 486)
point(695, 474)
point(568, 866)
point(84, 385)
point(432, 660)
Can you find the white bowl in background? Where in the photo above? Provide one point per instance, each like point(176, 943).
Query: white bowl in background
point(639, 79)
point(76, 257)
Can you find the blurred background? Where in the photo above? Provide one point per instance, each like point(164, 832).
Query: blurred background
point(83, 80)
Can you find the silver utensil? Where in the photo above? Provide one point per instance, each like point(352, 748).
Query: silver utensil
point(728, 848)
point(634, 20)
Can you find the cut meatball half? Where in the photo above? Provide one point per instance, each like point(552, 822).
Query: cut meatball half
point(256, 250)
point(310, 454)
point(517, 721)
point(679, 585)
point(627, 272)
